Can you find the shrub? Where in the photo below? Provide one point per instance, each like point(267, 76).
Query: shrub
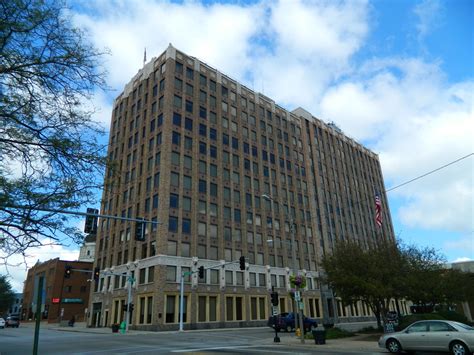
point(454, 316)
point(332, 333)
point(368, 330)
point(405, 321)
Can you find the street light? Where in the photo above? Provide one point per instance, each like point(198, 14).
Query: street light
point(293, 252)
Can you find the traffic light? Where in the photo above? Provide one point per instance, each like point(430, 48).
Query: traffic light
point(91, 221)
point(67, 272)
point(201, 272)
point(242, 262)
point(130, 307)
point(140, 231)
point(274, 296)
point(96, 274)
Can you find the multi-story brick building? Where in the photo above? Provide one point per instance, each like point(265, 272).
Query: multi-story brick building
point(63, 297)
point(197, 151)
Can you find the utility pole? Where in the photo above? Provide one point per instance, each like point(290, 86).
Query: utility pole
point(38, 314)
point(130, 281)
point(298, 314)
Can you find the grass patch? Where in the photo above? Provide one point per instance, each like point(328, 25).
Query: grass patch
point(332, 333)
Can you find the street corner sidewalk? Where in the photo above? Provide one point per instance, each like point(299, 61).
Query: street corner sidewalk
point(360, 343)
point(82, 328)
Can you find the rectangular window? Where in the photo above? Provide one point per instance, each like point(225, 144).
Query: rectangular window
point(176, 138)
point(176, 119)
point(186, 226)
point(189, 106)
point(178, 102)
point(174, 201)
point(188, 124)
point(171, 273)
point(173, 224)
point(170, 309)
point(229, 279)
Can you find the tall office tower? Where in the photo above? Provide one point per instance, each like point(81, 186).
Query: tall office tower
point(223, 170)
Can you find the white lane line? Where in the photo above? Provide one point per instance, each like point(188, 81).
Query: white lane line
point(126, 349)
point(215, 348)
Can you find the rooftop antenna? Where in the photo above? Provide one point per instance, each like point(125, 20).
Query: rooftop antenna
point(144, 57)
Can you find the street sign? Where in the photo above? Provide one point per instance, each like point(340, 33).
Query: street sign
point(297, 296)
point(62, 312)
point(300, 305)
point(274, 310)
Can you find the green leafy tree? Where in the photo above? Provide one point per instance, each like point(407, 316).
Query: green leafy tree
point(392, 270)
point(458, 286)
point(7, 296)
point(429, 282)
point(369, 275)
point(50, 154)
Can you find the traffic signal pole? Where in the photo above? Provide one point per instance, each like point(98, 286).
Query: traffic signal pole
point(129, 299)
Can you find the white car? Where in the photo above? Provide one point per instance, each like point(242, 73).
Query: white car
point(431, 335)
point(2, 323)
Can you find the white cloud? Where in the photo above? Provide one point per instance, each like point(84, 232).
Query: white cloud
point(311, 45)
point(18, 266)
point(465, 243)
point(428, 13)
point(297, 52)
point(219, 34)
point(462, 259)
point(416, 122)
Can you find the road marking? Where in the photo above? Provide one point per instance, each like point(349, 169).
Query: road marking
point(215, 348)
point(126, 349)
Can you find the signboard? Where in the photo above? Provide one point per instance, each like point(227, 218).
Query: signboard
point(73, 300)
point(297, 296)
point(389, 328)
point(274, 310)
point(55, 300)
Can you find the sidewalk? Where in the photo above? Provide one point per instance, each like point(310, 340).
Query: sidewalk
point(361, 343)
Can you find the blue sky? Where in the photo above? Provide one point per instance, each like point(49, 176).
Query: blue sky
point(395, 75)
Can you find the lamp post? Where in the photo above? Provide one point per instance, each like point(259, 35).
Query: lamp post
point(295, 268)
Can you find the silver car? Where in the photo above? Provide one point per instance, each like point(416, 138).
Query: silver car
point(431, 335)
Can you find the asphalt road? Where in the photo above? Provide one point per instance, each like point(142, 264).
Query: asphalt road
point(230, 341)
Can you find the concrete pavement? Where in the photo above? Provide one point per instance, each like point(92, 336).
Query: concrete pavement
point(366, 343)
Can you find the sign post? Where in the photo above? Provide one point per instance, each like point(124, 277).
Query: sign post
point(38, 314)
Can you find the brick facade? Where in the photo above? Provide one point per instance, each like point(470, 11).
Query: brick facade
point(196, 151)
point(70, 294)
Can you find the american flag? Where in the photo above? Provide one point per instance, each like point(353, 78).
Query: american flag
point(378, 210)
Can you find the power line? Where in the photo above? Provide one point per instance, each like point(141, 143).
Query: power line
point(428, 173)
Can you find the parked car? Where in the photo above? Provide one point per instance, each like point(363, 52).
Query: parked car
point(286, 321)
point(431, 335)
point(2, 323)
point(13, 322)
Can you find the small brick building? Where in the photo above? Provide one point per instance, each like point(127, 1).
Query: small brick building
point(63, 297)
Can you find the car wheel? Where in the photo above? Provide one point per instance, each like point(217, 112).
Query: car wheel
point(394, 346)
point(458, 348)
point(288, 328)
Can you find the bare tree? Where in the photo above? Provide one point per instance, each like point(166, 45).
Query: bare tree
point(49, 149)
